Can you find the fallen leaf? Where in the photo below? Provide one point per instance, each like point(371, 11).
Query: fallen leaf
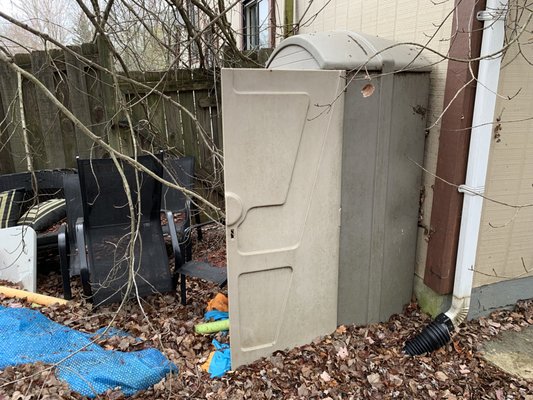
point(306, 371)
point(494, 324)
point(325, 376)
point(302, 391)
point(341, 329)
point(374, 379)
point(457, 347)
point(342, 353)
point(448, 395)
point(368, 90)
point(124, 344)
point(441, 376)
point(463, 369)
point(395, 380)
point(17, 396)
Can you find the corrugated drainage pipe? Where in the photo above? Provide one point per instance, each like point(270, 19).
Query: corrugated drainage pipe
point(438, 333)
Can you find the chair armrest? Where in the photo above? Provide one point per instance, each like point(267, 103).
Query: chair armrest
point(187, 215)
point(64, 249)
point(175, 243)
point(80, 240)
point(82, 251)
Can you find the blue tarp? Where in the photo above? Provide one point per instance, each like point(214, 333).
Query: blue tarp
point(27, 336)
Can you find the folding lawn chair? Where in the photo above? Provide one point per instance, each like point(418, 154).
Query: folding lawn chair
point(103, 233)
point(181, 171)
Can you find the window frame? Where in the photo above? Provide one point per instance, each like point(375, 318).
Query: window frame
point(252, 41)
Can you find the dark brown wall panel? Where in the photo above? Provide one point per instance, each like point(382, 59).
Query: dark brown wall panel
point(453, 148)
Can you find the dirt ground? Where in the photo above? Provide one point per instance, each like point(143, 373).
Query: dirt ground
point(354, 362)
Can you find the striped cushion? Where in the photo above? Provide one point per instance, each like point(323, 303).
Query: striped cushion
point(10, 203)
point(44, 215)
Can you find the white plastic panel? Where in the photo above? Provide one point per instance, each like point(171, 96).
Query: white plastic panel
point(282, 151)
point(18, 256)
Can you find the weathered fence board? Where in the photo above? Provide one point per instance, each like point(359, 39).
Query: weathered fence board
point(68, 132)
point(49, 114)
point(204, 119)
point(6, 162)
point(33, 124)
point(96, 105)
point(12, 135)
point(189, 133)
point(78, 99)
point(173, 123)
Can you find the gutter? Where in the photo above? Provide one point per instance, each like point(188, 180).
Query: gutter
point(438, 333)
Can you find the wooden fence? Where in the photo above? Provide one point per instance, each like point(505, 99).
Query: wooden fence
point(91, 96)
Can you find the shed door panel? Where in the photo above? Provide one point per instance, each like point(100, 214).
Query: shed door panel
point(282, 152)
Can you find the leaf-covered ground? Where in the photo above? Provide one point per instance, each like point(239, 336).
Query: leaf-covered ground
point(354, 362)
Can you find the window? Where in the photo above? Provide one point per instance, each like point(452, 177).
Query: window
point(255, 24)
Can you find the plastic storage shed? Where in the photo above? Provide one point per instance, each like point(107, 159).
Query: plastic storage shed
point(322, 187)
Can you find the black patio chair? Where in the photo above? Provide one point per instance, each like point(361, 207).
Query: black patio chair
point(103, 233)
point(181, 171)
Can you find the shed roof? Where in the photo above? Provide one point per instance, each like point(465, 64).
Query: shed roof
point(345, 50)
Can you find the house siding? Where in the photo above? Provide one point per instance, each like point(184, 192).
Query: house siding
point(505, 249)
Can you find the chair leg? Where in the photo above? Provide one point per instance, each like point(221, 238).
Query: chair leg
point(183, 288)
point(188, 249)
point(63, 247)
point(178, 258)
point(85, 283)
point(198, 221)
